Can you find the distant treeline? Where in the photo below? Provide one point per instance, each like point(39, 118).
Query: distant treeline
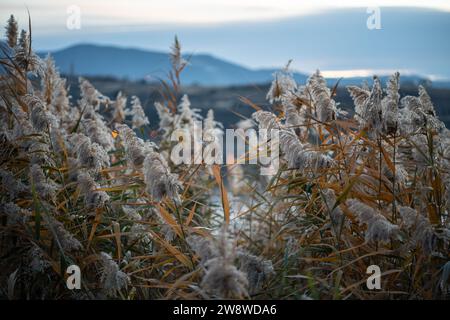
point(226, 101)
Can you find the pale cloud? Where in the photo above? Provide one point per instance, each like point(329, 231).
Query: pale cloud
point(48, 14)
point(351, 73)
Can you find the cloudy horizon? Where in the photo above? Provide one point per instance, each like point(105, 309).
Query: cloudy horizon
point(247, 32)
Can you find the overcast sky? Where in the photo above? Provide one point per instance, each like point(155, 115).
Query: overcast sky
point(255, 33)
point(51, 14)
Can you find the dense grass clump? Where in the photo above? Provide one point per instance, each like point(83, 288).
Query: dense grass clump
point(83, 182)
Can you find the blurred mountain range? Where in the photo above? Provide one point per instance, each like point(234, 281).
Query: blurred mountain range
point(203, 69)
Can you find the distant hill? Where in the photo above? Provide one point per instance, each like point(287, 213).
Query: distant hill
point(203, 69)
point(135, 64)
